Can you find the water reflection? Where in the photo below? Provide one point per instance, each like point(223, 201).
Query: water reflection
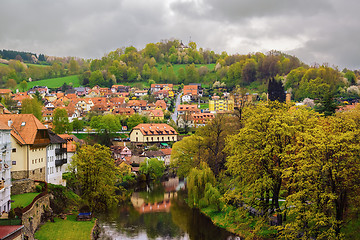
point(159, 212)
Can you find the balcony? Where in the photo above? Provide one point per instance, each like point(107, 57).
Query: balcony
point(60, 162)
point(59, 151)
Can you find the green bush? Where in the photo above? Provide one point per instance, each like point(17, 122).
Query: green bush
point(39, 188)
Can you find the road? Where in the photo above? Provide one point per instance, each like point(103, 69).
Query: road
point(177, 102)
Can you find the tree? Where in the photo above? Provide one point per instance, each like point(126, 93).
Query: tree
point(258, 154)
point(196, 183)
point(96, 173)
point(96, 78)
point(186, 154)
point(61, 121)
point(192, 74)
point(11, 83)
point(23, 85)
point(325, 179)
point(32, 106)
point(135, 120)
point(77, 124)
point(276, 91)
point(351, 77)
point(152, 168)
point(106, 126)
point(326, 105)
point(74, 67)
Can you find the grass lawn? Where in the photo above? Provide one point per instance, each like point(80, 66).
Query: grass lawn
point(3, 64)
point(22, 200)
point(55, 82)
point(204, 105)
point(65, 229)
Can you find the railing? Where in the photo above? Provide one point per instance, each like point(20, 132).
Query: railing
point(60, 151)
point(60, 162)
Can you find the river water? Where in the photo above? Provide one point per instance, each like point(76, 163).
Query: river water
point(159, 212)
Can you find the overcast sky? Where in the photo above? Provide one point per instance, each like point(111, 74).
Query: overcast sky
point(321, 31)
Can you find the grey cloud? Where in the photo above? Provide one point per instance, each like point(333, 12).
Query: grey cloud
point(315, 31)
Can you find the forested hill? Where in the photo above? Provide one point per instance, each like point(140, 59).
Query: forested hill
point(171, 61)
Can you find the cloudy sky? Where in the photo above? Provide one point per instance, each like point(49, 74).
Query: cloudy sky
point(321, 31)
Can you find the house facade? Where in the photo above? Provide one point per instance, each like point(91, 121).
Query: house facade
point(5, 168)
point(153, 133)
point(56, 159)
point(29, 139)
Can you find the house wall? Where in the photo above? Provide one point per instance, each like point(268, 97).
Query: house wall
point(27, 162)
point(137, 136)
point(5, 170)
point(53, 172)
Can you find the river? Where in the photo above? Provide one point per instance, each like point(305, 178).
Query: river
point(159, 212)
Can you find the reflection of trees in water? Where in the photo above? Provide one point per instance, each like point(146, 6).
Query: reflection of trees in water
point(198, 226)
point(126, 221)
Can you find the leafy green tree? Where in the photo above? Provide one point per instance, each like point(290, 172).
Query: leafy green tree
point(259, 152)
point(152, 168)
point(74, 67)
point(96, 78)
point(135, 120)
point(77, 124)
point(11, 83)
point(106, 127)
point(96, 173)
point(351, 77)
point(23, 85)
point(324, 177)
point(196, 183)
point(32, 106)
point(181, 75)
point(61, 121)
point(186, 154)
point(192, 74)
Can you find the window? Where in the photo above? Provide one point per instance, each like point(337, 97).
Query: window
point(13, 162)
point(13, 150)
point(40, 169)
point(33, 161)
point(23, 124)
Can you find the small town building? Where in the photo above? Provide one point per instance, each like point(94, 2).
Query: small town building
point(5, 168)
point(153, 133)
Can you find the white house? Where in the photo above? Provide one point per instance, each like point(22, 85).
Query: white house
point(186, 98)
point(5, 168)
point(56, 159)
point(140, 93)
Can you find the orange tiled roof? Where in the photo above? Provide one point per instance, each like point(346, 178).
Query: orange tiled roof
point(24, 127)
point(70, 146)
point(188, 107)
point(5, 91)
point(155, 129)
point(166, 151)
point(161, 104)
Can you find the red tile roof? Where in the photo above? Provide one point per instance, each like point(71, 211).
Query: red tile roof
point(155, 129)
point(24, 126)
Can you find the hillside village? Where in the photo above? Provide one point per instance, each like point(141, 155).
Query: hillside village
point(33, 153)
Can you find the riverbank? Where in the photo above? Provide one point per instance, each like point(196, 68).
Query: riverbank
point(238, 222)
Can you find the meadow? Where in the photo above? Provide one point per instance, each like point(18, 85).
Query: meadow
point(55, 82)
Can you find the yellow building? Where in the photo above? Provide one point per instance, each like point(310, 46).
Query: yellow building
point(221, 105)
point(29, 138)
point(152, 133)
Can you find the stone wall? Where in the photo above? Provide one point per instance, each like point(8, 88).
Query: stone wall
point(19, 175)
point(22, 186)
point(31, 219)
point(37, 174)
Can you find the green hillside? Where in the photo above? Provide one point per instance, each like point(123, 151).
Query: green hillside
point(55, 82)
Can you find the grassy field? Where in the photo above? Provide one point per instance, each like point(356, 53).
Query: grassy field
point(22, 200)
point(55, 82)
point(37, 65)
point(204, 105)
point(3, 64)
point(65, 229)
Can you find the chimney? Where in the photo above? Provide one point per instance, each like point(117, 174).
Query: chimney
point(10, 123)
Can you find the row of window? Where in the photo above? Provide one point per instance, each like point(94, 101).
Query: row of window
point(162, 138)
point(36, 160)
